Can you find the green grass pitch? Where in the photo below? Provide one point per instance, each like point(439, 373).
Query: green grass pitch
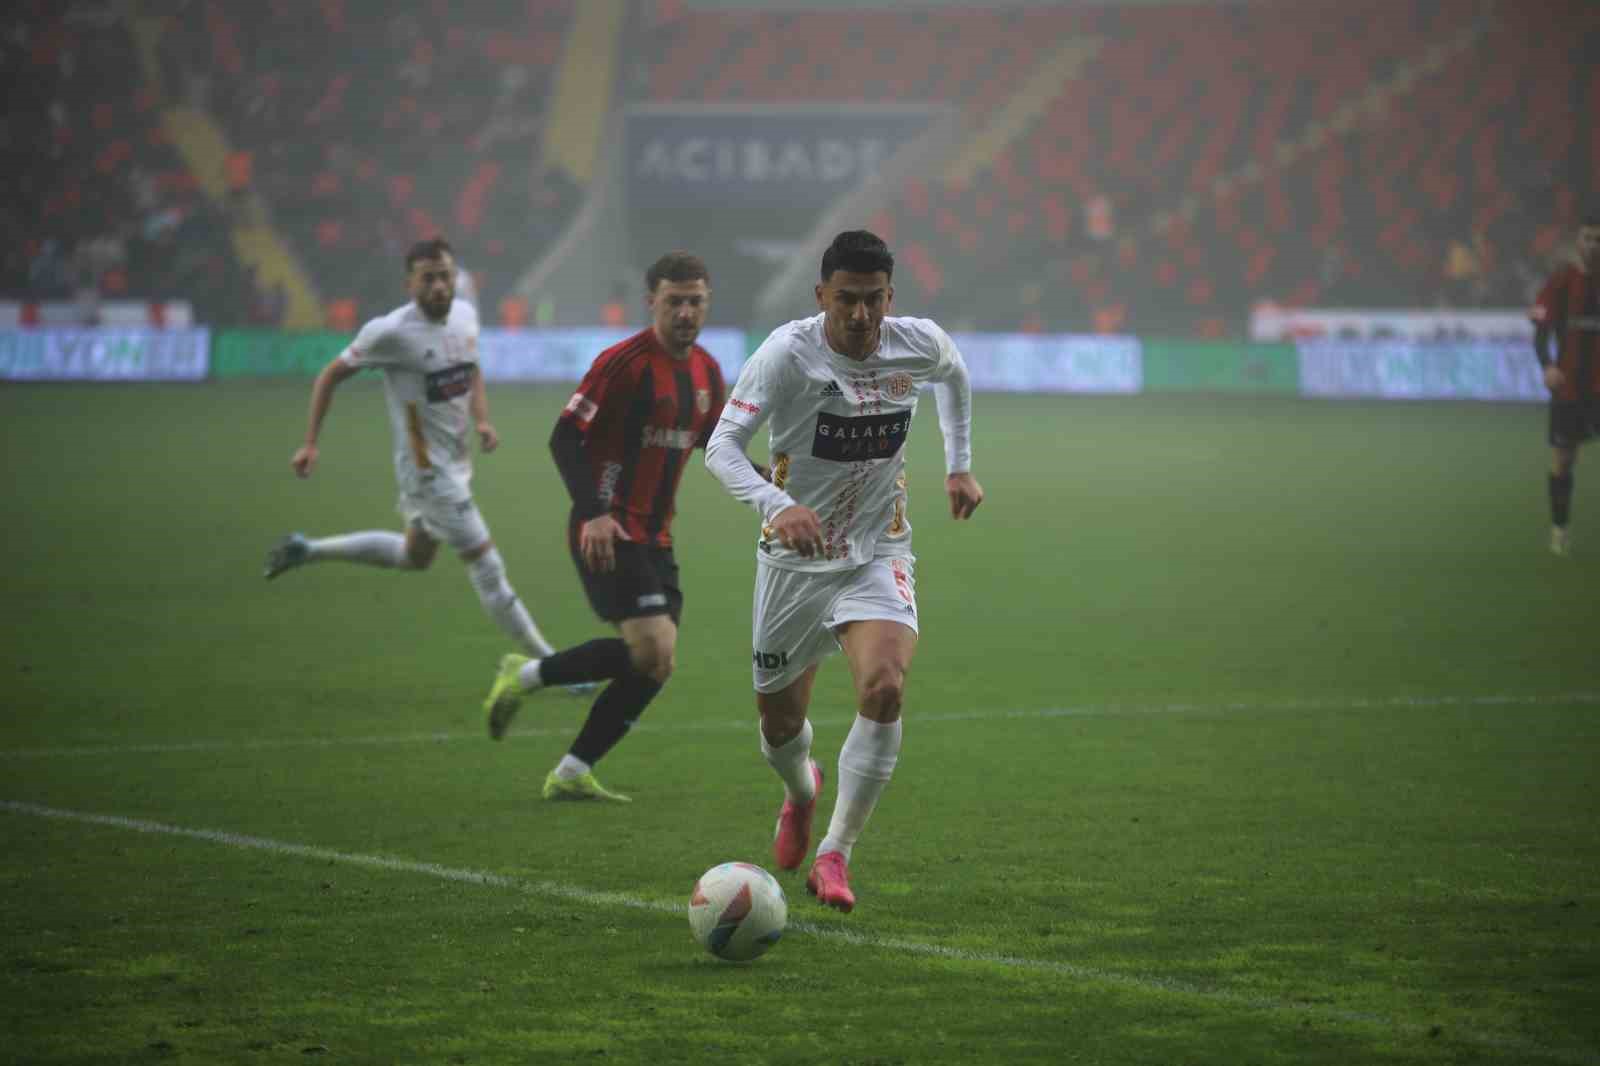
point(1240, 732)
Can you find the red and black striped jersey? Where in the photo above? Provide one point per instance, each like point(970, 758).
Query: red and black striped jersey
point(1569, 306)
point(641, 412)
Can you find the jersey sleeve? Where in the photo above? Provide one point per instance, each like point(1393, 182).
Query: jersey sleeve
point(719, 399)
point(373, 346)
point(610, 376)
point(1550, 307)
point(759, 386)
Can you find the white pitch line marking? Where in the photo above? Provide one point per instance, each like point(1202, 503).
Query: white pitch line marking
point(898, 945)
point(647, 726)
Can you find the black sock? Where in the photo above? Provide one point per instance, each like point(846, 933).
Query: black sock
point(598, 660)
point(1560, 499)
point(612, 715)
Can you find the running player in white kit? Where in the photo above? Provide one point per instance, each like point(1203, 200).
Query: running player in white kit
point(834, 565)
point(428, 353)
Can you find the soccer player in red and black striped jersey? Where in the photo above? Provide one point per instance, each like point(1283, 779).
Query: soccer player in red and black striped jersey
point(621, 446)
point(1568, 309)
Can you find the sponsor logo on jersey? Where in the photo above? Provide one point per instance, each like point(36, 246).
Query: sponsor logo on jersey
point(740, 405)
point(702, 400)
point(583, 407)
point(849, 440)
point(666, 437)
point(832, 391)
point(449, 383)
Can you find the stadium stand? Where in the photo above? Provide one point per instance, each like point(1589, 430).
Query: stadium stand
point(101, 206)
point(1158, 169)
point(1204, 157)
point(363, 129)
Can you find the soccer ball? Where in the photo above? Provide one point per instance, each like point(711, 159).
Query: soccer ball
point(737, 911)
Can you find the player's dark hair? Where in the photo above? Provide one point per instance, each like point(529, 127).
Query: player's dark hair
point(429, 249)
point(676, 267)
point(857, 251)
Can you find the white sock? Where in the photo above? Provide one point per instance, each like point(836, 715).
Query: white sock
point(792, 760)
point(865, 764)
point(387, 550)
point(571, 766)
point(488, 573)
point(529, 676)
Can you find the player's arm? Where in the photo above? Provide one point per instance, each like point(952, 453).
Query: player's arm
point(760, 384)
point(478, 406)
point(1547, 315)
point(952, 394)
point(569, 447)
point(338, 370)
point(719, 399)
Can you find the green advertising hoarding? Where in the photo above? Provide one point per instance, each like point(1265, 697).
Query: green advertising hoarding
point(1221, 366)
point(258, 353)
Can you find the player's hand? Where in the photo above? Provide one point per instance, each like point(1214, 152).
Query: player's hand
point(965, 494)
point(1553, 377)
point(798, 529)
point(305, 460)
point(597, 542)
point(488, 439)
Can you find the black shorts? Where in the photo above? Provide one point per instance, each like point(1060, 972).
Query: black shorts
point(1573, 423)
point(644, 583)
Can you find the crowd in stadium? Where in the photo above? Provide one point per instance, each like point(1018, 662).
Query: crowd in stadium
point(1168, 182)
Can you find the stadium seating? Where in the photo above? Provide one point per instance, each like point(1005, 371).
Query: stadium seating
point(1208, 156)
point(369, 129)
point(102, 207)
point(1196, 159)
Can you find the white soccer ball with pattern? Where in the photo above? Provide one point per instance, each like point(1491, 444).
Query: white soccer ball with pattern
point(737, 911)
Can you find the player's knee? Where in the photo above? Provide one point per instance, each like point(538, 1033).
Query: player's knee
point(654, 659)
point(882, 691)
point(419, 556)
point(488, 573)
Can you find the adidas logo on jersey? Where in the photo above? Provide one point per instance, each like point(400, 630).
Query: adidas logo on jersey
point(832, 389)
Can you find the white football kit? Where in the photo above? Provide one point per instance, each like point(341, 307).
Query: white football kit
point(838, 428)
point(429, 369)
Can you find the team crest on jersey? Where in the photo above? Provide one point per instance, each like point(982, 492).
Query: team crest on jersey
point(899, 386)
point(702, 400)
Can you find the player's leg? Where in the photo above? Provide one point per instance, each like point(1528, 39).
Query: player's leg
point(651, 642)
point(1566, 432)
point(500, 601)
point(575, 668)
point(786, 745)
point(880, 655)
point(643, 597)
point(380, 548)
point(789, 637)
point(875, 622)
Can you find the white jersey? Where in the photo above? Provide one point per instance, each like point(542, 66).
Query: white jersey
point(838, 427)
point(428, 373)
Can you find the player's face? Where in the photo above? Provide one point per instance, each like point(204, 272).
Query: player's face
point(853, 307)
point(678, 311)
point(433, 285)
point(1589, 246)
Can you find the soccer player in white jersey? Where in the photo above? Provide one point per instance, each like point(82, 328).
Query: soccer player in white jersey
point(428, 353)
point(834, 564)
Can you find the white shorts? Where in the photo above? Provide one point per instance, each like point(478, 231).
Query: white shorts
point(456, 522)
point(797, 611)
